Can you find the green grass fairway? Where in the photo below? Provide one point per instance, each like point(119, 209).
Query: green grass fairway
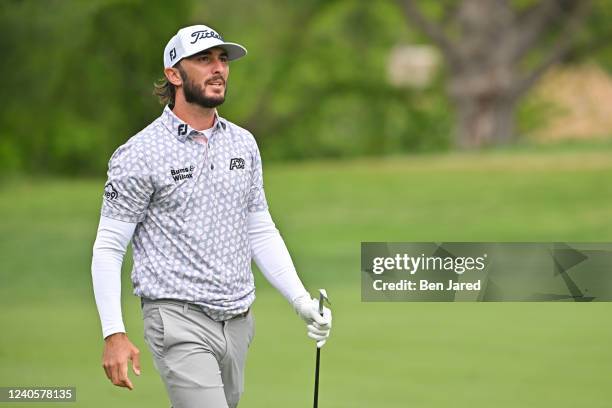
point(425, 355)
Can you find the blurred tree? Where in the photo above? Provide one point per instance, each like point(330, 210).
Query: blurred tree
point(315, 82)
point(78, 75)
point(78, 79)
point(488, 46)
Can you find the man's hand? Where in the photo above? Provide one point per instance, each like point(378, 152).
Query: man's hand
point(318, 326)
point(118, 349)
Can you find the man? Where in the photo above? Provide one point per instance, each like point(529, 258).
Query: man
point(188, 191)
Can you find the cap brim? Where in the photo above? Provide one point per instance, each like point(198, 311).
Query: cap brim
point(234, 51)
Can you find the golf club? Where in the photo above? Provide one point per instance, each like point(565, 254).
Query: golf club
point(322, 298)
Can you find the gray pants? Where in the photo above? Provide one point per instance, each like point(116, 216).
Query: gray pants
point(200, 361)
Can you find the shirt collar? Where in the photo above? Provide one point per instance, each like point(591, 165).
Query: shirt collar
point(181, 130)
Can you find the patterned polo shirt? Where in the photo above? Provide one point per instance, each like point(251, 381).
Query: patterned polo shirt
point(191, 202)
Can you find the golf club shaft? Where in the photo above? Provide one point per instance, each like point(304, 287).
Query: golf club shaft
point(316, 389)
point(322, 298)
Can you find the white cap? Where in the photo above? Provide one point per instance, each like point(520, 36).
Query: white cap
point(193, 39)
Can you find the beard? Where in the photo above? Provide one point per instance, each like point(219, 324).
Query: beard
point(194, 93)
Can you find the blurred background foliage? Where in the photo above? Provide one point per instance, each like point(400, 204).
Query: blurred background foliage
point(78, 78)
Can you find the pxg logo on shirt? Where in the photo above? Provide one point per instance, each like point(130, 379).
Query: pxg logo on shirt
point(198, 35)
point(109, 192)
point(236, 163)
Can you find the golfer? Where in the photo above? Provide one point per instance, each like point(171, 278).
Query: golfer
point(188, 192)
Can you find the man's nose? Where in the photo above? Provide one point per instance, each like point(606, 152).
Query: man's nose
point(218, 66)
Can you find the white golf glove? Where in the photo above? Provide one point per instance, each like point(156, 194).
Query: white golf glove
point(318, 326)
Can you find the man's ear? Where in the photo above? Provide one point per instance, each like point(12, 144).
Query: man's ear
point(173, 76)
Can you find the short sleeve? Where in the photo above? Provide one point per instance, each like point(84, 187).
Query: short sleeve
point(129, 186)
point(257, 197)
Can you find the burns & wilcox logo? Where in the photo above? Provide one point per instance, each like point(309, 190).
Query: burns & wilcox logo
point(182, 173)
point(198, 35)
point(236, 163)
point(109, 192)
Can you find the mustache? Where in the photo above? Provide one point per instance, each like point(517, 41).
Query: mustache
point(215, 79)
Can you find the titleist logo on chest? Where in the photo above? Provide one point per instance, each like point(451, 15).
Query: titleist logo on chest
point(182, 173)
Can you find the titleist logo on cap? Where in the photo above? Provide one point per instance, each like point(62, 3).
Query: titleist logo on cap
point(198, 35)
point(191, 40)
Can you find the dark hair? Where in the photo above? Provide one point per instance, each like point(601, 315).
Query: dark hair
point(165, 91)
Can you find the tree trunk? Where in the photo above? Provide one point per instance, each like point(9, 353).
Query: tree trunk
point(483, 120)
point(485, 54)
point(483, 75)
